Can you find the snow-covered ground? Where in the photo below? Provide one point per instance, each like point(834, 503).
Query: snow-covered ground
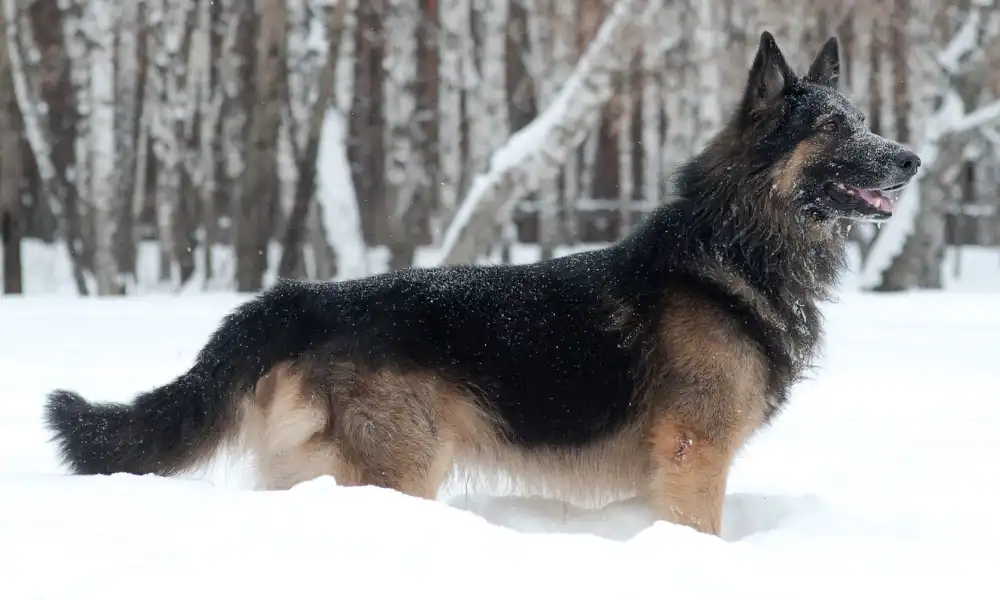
point(881, 478)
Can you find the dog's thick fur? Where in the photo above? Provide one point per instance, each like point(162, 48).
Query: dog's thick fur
point(639, 368)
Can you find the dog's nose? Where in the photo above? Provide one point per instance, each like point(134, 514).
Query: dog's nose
point(908, 161)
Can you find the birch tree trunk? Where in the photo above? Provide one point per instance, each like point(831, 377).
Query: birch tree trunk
point(707, 54)
point(302, 57)
point(486, 88)
point(172, 116)
point(564, 55)
point(402, 158)
point(486, 85)
point(214, 42)
point(163, 142)
point(920, 263)
point(339, 215)
point(11, 209)
point(255, 204)
point(680, 93)
point(234, 71)
point(36, 110)
point(307, 160)
point(540, 149)
point(544, 27)
point(453, 17)
point(126, 120)
point(900, 272)
point(193, 106)
point(679, 106)
point(652, 123)
point(103, 161)
point(875, 59)
point(77, 42)
point(626, 145)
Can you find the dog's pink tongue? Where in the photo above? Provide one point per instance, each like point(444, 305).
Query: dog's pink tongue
point(876, 199)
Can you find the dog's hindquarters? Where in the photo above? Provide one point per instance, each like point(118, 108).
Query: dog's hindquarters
point(363, 426)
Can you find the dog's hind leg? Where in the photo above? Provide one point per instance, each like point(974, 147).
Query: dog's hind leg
point(362, 427)
point(390, 430)
point(286, 428)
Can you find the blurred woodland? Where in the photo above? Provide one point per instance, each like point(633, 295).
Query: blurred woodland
point(241, 140)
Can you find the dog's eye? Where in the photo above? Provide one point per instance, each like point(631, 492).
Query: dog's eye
point(830, 126)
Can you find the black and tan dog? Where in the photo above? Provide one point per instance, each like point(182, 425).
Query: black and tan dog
point(637, 369)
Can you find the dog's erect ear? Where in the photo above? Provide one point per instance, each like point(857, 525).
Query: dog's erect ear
point(770, 76)
point(825, 70)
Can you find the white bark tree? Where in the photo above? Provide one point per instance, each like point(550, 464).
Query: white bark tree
point(210, 97)
point(126, 115)
point(24, 57)
point(403, 168)
point(626, 146)
point(303, 62)
point(486, 83)
point(172, 111)
point(12, 208)
point(308, 153)
point(453, 25)
point(233, 87)
point(564, 55)
point(254, 206)
point(34, 112)
point(338, 222)
point(550, 62)
point(76, 42)
point(652, 121)
point(100, 21)
point(679, 98)
point(706, 56)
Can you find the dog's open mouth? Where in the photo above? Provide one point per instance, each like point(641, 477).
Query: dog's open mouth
point(882, 200)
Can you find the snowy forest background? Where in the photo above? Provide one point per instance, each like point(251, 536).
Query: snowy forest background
point(200, 144)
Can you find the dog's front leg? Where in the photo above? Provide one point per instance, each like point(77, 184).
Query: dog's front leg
point(688, 474)
point(709, 400)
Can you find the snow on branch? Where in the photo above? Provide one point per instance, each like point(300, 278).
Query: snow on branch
point(964, 42)
point(537, 151)
point(976, 119)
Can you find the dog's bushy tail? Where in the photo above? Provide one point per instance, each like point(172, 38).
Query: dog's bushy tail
point(164, 431)
point(181, 424)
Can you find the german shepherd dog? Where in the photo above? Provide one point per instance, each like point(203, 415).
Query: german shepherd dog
point(637, 369)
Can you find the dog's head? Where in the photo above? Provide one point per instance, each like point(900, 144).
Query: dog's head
point(814, 144)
